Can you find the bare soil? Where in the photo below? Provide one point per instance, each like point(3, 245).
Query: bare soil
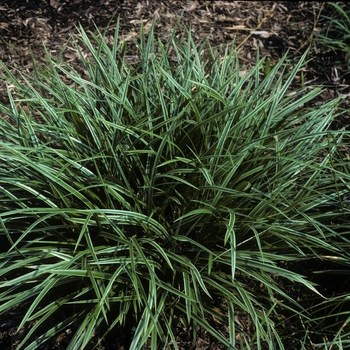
point(271, 27)
point(27, 27)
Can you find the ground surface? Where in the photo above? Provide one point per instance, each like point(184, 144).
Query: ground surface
point(272, 27)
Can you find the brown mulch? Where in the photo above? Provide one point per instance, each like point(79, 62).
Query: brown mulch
point(272, 27)
point(268, 26)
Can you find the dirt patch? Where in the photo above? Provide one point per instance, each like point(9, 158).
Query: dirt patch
point(268, 26)
point(271, 26)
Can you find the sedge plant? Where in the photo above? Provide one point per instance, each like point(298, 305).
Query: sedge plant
point(175, 192)
point(335, 32)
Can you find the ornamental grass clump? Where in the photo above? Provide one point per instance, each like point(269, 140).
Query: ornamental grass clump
point(333, 39)
point(172, 193)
